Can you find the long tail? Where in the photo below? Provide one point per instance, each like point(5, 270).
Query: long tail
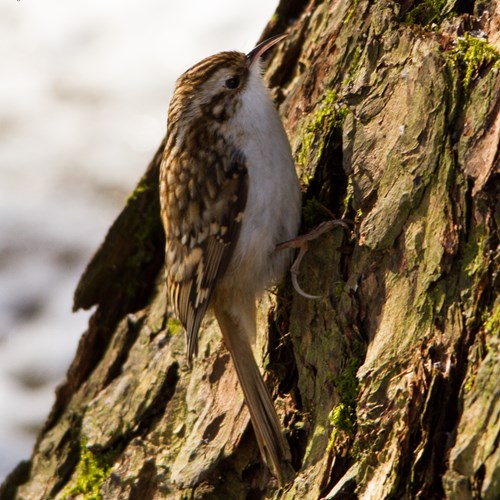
point(238, 330)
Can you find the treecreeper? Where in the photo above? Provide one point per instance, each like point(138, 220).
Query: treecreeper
point(229, 194)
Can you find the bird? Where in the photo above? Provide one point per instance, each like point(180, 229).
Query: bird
point(229, 194)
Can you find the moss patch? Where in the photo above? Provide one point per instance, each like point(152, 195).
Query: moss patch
point(471, 55)
point(474, 259)
point(91, 471)
point(174, 326)
point(343, 416)
point(141, 188)
point(356, 58)
point(327, 116)
point(351, 12)
point(428, 12)
point(492, 321)
point(348, 198)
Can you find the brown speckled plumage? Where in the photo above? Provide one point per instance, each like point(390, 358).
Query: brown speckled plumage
point(203, 192)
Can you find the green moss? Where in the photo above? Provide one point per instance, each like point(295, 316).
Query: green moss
point(347, 203)
point(474, 259)
point(492, 321)
point(141, 188)
point(343, 419)
point(174, 326)
point(339, 289)
point(428, 12)
point(343, 416)
point(327, 116)
point(351, 12)
point(347, 383)
point(349, 196)
point(91, 471)
point(470, 55)
point(307, 139)
point(470, 383)
point(356, 57)
point(491, 325)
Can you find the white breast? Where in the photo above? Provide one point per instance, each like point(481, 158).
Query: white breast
point(272, 212)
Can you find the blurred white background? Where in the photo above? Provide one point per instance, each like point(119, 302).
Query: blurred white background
point(84, 90)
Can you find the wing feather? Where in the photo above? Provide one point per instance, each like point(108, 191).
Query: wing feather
point(195, 263)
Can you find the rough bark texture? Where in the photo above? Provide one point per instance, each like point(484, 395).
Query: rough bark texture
point(388, 385)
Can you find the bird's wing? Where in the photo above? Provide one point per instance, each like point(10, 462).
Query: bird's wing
point(202, 212)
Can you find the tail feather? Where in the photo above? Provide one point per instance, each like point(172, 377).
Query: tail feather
point(266, 424)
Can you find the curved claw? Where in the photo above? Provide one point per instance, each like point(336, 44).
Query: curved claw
point(302, 243)
point(294, 271)
point(301, 292)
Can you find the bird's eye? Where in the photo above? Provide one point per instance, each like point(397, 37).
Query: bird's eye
point(233, 82)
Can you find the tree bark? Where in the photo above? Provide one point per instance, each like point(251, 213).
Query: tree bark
point(387, 385)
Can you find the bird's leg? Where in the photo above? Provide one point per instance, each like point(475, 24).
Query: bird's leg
point(301, 242)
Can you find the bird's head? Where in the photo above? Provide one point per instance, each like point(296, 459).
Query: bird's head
point(214, 87)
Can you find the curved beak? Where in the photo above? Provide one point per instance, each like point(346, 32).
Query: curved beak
point(254, 55)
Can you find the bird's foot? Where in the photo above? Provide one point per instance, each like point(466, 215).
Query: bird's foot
point(302, 242)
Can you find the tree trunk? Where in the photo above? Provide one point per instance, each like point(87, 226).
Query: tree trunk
point(387, 385)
